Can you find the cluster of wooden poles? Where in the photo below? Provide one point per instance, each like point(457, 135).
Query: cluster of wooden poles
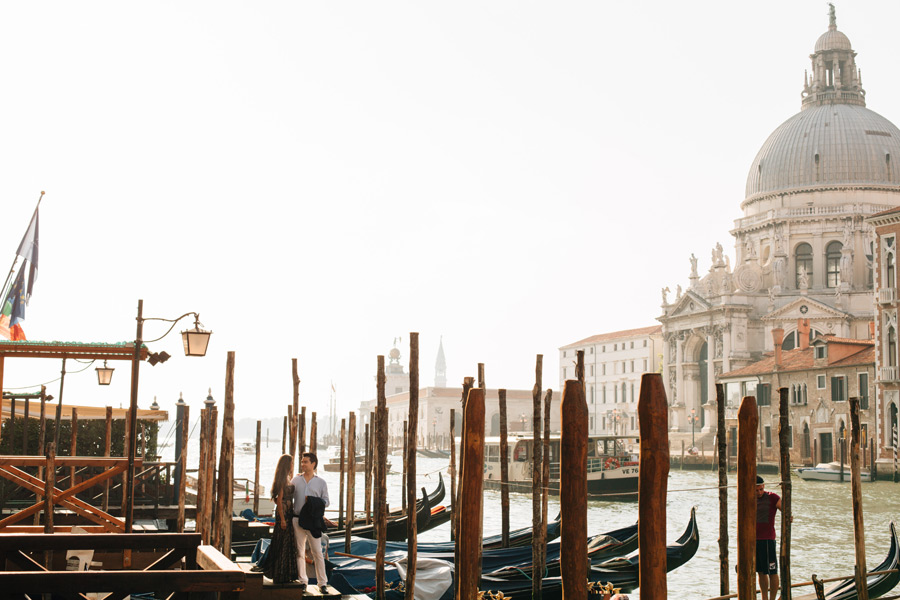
point(748, 421)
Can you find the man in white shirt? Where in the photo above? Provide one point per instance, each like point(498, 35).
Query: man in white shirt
point(308, 484)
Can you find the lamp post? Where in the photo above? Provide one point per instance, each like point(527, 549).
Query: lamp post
point(434, 433)
point(693, 420)
point(195, 344)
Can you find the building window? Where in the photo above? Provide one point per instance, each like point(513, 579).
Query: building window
point(863, 391)
point(603, 368)
point(624, 390)
point(790, 436)
point(767, 430)
point(645, 343)
point(604, 394)
point(645, 365)
point(890, 262)
point(839, 389)
point(821, 351)
point(891, 347)
point(632, 392)
point(820, 382)
point(592, 423)
point(833, 264)
point(592, 395)
point(632, 344)
point(803, 261)
point(615, 394)
point(565, 353)
point(632, 366)
point(764, 394)
point(592, 370)
point(615, 347)
point(592, 350)
point(603, 349)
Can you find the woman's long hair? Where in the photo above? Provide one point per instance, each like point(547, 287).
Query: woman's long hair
point(282, 472)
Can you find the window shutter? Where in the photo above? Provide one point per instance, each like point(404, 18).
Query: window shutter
point(835, 389)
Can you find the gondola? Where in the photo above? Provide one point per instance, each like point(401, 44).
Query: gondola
point(605, 546)
point(621, 572)
point(878, 585)
point(518, 538)
point(397, 523)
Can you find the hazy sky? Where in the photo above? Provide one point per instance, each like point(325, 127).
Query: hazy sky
point(316, 179)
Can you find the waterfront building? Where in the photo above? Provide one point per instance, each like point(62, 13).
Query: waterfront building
point(820, 376)
point(887, 302)
point(436, 402)
point(803, 246)
point(613, 365)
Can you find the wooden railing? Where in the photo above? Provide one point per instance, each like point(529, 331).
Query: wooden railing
point(176, 563)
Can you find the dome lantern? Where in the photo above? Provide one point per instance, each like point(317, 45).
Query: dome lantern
point(835, 77)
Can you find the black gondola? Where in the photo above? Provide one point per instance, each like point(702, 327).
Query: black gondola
point(878, 585)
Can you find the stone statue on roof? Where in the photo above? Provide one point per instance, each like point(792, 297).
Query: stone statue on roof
point(665, 291)
point(694, 265)
point(832, 19)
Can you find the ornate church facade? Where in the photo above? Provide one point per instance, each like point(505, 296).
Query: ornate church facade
point(803, 249)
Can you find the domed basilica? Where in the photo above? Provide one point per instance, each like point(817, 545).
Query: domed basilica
point(803, 249)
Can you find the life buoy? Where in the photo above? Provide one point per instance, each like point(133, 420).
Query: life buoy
point(611, 463)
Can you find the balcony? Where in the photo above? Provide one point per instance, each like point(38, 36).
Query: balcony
point(887, 295)
point(887, 374)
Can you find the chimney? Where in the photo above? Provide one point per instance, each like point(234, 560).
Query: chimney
point(778, 338)
point(871, 330)
point(803, 333)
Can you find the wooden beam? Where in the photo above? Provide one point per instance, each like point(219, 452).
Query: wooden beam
point(504, 471)
point(784, 444)
point(536, 473)
point(182, 474)
point(859, 533)
point(722, 445)
point(412, 443)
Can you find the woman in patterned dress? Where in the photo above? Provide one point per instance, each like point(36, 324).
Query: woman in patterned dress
point(281, 564)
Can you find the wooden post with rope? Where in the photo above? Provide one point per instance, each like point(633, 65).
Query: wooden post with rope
point(504, 471)
point(411, 533)
point(380, 479)
point(351, 480)
point(536, 472)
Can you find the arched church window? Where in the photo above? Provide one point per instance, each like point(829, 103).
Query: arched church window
point(803, 262)
point(833, 264)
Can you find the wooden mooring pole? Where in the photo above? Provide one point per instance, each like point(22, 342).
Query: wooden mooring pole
point(301, 434)
point(313, 434)
point(536, 472)
point(784, 450)
point(653, 480)
point(722, 446)
point(405, 458)
point(182, 461)
point(201, 525)
point(411, 533)
point(295, 408)
point(341, 476)
point(256, 471)
point(452, 473)
point(748, 420)
point(351, 481)
point(859, 533)
point(225, 494)
point(545, 478)
point(380, 480)
point(504, 471)
point(367, 475)
point(470, 497)
point(284, 432)
point(573, 492)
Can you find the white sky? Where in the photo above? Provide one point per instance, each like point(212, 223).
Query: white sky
point(316, 179)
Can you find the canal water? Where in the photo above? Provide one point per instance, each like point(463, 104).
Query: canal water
point(821, 534)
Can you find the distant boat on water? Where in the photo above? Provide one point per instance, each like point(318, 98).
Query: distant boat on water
point(830, 472)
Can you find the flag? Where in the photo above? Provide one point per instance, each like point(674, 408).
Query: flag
point(4, 320)
point(28, 249)
point(16, 302)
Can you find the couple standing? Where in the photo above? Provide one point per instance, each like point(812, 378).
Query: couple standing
point(299, 512)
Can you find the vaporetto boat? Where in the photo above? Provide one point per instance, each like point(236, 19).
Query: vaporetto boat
point(612, 465)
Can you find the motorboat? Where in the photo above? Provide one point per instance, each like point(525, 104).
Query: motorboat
point(830, 472)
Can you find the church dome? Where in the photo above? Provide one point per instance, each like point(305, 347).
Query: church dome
point(832, 40)
point(827, 146)
point(834, 142)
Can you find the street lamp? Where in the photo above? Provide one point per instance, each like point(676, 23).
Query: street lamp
point(195, 343)
point(693, 419)
point(104, 374)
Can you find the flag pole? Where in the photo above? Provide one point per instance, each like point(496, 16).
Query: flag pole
point(12, 269)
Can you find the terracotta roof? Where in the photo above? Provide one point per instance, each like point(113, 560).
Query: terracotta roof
point(837, 340)
point(615, 335)
point(801, 360)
